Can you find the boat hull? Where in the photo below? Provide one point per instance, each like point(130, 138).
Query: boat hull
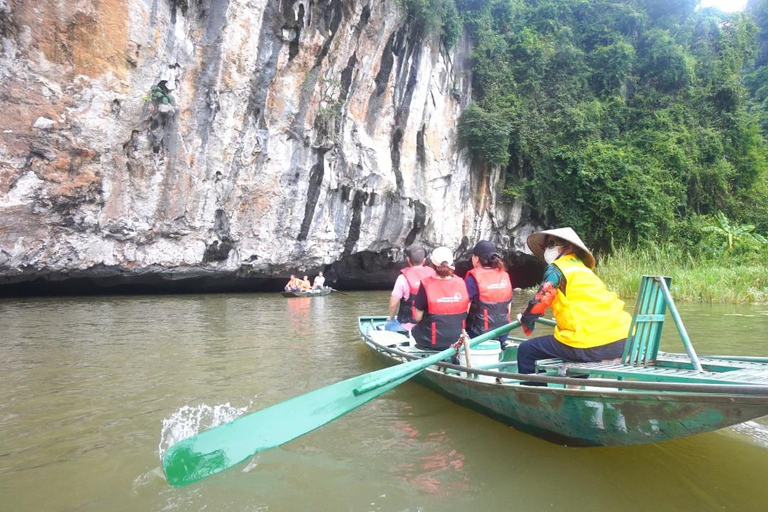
point(588, 417)
point(321, 293)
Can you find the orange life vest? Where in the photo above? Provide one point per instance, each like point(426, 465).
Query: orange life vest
point(442, 323)
point(491, 308)
point(414, 276)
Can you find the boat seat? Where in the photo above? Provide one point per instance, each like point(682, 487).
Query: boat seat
point(621, 371)
point(642, 346)
point(557, 366)
point(389, 338)
point(712, 364)
point(664, 360)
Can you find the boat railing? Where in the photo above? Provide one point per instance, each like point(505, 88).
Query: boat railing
point(653, 299)
point(620, 385)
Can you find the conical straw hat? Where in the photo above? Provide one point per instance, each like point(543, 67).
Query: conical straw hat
point(536, 243)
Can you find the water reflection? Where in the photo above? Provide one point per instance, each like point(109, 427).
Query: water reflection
point(87, 383)
point(440, 469)
point(298, 314)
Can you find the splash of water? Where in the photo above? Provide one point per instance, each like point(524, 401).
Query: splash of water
point(190, 420)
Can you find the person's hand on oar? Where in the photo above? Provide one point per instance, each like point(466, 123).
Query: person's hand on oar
point(227, 445)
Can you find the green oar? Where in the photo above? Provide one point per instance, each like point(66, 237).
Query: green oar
point(222, 447)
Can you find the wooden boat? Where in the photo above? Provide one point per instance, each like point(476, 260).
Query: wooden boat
point(309, 293)
point(647, 396)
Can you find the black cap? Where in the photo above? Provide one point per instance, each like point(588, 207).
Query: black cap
point(484, 250)
point(416, 253)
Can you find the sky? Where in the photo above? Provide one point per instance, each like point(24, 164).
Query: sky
point(725, 5)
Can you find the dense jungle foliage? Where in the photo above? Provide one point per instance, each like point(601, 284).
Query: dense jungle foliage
point(633, 121)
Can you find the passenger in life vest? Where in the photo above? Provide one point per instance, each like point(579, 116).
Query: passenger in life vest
point(293, 284)
point(591, 322)
point(490, 291)
point(440, 305)
point(400, 310)
point(304, 284)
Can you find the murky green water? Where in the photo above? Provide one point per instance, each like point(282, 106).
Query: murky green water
point(87, 384)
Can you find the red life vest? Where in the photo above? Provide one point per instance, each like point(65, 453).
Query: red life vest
point(491, 308)
point(442, 323)
point(414, 276)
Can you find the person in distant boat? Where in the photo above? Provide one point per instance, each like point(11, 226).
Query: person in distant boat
point(293, 284)
point(490, 291)
point(400, 310)
point(319, 283)
point(304, 284)
point(591, 322)
point(440, 306)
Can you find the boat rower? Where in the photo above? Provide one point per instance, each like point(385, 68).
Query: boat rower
point(591, 322)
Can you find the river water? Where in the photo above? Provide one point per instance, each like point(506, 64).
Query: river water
point(94, 389)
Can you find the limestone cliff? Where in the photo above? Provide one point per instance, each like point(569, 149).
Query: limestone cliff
point(174, 139)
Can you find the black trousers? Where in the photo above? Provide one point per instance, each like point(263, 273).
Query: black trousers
point(546, 347)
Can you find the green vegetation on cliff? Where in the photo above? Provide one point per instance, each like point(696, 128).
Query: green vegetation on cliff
point(435, 16)
point(632, 121)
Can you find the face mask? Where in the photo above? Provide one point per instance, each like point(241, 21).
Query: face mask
point(551, 254)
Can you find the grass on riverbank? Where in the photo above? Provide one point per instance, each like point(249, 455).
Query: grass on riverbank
point(723, 281)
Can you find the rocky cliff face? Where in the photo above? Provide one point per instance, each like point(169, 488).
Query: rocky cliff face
point(171, 140)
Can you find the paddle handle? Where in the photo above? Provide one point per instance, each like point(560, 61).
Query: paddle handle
point(466, 350)
point(429, 361)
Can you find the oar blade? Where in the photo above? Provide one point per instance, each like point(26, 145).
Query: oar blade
point(222, 447)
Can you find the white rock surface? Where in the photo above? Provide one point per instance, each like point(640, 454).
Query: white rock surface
point(220, 135)
point(43, 123)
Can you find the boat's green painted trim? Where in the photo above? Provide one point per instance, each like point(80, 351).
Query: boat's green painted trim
point(440, 356)
point(641, 412)
point(644, 333)
point(659, 387)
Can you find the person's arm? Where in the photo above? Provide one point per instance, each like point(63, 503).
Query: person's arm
point(394, 302)
point(472, 290)
point(420, 304)
point(553, 280)
point(400, 291)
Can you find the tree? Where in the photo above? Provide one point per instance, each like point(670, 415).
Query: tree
point(733, 232)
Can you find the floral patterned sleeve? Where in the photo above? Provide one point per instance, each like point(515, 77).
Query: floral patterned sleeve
point(553, 280)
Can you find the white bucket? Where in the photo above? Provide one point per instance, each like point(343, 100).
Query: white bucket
point(487, 352)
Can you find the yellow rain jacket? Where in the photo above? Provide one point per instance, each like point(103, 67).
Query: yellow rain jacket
point(587, 315)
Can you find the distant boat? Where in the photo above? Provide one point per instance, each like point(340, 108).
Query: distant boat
point(309, 293)
point(647, 396)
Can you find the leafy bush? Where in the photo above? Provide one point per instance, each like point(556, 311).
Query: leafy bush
point(435, 16)
point(485, 134)
point(160, 94)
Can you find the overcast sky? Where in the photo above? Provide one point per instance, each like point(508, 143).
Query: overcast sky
point(725, 5)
